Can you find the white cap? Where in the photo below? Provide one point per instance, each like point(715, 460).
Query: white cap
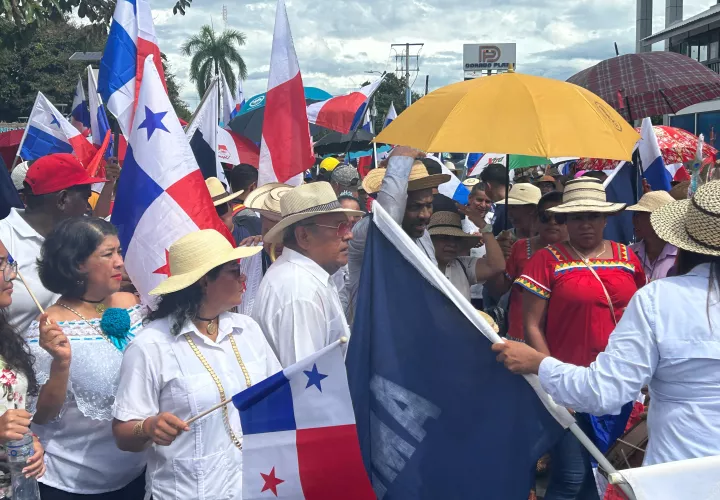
point(18, 175)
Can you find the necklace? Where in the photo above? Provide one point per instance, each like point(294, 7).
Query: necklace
point(212, 327)
point(584, 257)
point(218, 383)
point(99, 306)
point(100, 332)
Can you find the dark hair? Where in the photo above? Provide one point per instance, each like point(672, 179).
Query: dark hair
point(35, 201)
point(352, 198)
point(241, 176)
point(432, 167)
point(480, 186)
point(16, 353)
point(687, 261)
point(70, 244)
point(183, 305)
point(442, 203)
point(289, 234)
point(495, 173)
point(551, 197)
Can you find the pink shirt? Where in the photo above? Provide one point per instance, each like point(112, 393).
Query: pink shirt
point(662, 265)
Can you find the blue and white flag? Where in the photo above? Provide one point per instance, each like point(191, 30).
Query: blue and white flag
point(99, 125)
point(367, 125)
point(79, 114)
point(437, 416)
point(653, 165)
point(453, 189)
point(622, 186)
point(161, 194)
point(390, 116)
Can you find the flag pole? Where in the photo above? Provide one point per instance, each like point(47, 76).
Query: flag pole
point(32, 295)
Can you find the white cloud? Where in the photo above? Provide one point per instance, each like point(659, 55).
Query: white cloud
point(337, 42)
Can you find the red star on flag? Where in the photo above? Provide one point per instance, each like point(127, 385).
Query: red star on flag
point(165, 269)
point(271, 482)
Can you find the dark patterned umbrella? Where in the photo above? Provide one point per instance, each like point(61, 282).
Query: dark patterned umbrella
point(650, 83)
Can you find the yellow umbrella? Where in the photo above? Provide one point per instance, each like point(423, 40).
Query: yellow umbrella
point(516, 114)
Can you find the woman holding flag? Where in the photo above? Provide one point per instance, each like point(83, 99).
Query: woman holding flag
point(192, 356)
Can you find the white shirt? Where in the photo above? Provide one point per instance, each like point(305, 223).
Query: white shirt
point(24, 244)
point(161, 373)
point(664, 339)
point(298, 308)
point(461, 273)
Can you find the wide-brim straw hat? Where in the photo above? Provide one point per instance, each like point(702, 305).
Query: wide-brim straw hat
point(304, 202)
point(271, 203)
point(694, 224)
point(447, 224)
point(545, 178)
point(651, 201)
point(196, 254)
point(218, 193)
point(257, 198)
point(471, 181)
point(523, 194)
point(418, 179)
point(586, 195)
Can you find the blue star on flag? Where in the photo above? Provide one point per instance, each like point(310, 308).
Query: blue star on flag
point(153, 122)
point(55, 121)
point(314, 377)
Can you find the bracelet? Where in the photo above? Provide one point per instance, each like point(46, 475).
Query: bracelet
point(138, 429)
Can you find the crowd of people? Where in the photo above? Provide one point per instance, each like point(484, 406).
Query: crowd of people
point(106, 384)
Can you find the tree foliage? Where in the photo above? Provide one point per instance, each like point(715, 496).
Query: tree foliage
point(391, 90)
point(25, 13)
point(35, 58)
point(211, 54)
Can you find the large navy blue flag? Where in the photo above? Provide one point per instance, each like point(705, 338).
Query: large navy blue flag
point(622, 186)
point(437, 416)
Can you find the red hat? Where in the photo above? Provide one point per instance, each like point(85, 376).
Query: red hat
point(53, 173)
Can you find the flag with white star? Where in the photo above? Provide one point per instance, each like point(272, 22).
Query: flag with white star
point(161, 193)
point(299, 437)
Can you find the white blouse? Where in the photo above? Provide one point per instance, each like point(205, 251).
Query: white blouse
point(161, 373)
point(80, 450)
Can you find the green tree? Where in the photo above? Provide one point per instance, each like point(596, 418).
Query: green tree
point(35, 58)
point(211, 54)
point(32, 12)
point(391, 90)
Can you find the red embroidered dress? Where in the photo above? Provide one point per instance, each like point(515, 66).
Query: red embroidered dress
point(579, 321)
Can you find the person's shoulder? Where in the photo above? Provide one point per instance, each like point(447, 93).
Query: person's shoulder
point(59, 314)
point(123, 300)
point(244, 323)
point(154, 332)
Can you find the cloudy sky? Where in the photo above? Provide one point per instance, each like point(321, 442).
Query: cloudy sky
point(338, 41)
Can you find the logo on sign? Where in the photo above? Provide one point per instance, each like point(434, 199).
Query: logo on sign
point(489, 53)
point(223, 152)
point(256, 102)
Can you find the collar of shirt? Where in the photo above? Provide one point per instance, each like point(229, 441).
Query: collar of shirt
point(702, 270)
point(308, 264)
point(20, 226)
point(226, 325)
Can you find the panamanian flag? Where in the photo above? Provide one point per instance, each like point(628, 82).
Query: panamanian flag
point(299, 437)
point(161, 195)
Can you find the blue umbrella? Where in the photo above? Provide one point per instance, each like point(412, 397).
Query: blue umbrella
point(249, 121)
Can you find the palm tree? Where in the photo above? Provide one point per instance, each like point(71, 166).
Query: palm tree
point(211, 54)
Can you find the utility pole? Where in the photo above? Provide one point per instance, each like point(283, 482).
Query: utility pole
point(406, 56)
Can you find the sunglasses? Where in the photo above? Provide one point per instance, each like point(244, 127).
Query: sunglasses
point(546, 217)
point(340, 230)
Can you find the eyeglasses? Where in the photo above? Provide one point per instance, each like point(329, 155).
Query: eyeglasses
point(546, 217)
point(341, 229)
point(583, 217)
point(9, 271)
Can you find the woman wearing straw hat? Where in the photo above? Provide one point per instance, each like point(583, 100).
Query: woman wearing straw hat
point(574, 293)
point(192, 355)
point(667, 336)
point(221, 199)
point(656, 255)
point(445, 229)
point(77, 362)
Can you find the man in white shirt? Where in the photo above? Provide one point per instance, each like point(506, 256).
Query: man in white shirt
point(297, 304)
point(56, 187)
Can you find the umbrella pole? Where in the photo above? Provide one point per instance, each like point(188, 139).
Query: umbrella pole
point(507, 191)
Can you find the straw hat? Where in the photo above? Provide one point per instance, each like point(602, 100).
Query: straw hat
point(18, 175)
point(451, 166)
point(254, 199)
point(586, 194)
point(694, 224)
point(303, 202)
point(545, 178)
point(218, 193)
point(447, 224)
point(419, 179)
point(195, 254)
point(523, 194)
point(471, 181)
point(271, 203)
point(651, 201)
